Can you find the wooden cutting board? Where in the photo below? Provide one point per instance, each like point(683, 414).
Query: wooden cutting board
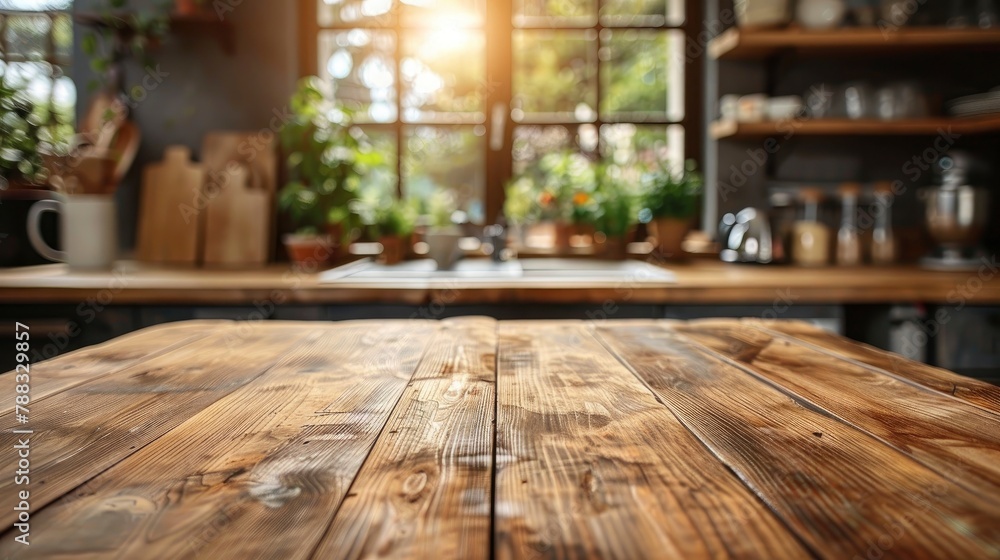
point(222, 153)
point(237, 228)
point(169, 219)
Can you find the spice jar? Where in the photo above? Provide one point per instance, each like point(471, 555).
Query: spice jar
point(848, 239)
point(810, 238)
point(883, 240)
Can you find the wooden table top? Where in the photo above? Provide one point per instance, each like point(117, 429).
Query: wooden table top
point(698, 282)
point(472, 438)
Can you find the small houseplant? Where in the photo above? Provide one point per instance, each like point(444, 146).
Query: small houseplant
point(325, 161)
point(442, 235)
point(615, 213)
point(392, 222)
point(670, 204)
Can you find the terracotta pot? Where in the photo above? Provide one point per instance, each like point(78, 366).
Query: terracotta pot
point(309, 252)
point(190, 7)
point(670, 233)
point(393, 249)
point(563, 232)
point(615, 248)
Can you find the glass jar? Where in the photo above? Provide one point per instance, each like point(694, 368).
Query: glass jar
point(810, 238)
point(848, 239)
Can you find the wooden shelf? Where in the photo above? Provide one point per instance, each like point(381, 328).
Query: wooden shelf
point(743, 44)
point(846, 127)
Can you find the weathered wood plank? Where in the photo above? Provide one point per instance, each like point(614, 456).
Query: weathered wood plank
point(843, 492)
point(979, 393)
point(425, 490)
point(950, 436)
point(590, 465)
point(82, 431)
point(87, 364)
point(259, 473)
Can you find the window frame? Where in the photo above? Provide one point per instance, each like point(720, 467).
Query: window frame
point(499, 78)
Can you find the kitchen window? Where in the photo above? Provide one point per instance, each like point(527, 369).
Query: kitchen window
point(461, 94)
point(36, 40)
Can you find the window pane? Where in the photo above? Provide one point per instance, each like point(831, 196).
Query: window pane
point(26, 37)
point(555, 76)
point(380, 180)
point(360, 64)
point(444, 14)
point(642, 13)
point(555, 13)
point(531, 143)
point(636, 73)
point(642, 146)
point(370, 13)
point(444, 76)
point(446, 158)
point(62, 37)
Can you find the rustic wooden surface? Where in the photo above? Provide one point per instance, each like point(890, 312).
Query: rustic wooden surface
point(471, 438)
point(698, 282)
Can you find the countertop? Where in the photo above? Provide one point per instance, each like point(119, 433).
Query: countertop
point(478, 439)
point(698, 282)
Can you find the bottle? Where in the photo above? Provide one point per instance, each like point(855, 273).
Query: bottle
point(810, 238)
point(848, 240)
point(883, 241)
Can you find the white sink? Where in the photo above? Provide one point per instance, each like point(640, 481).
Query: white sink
point(526, 271)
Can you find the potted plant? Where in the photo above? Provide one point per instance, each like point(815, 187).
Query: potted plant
point(442, 235)
point(615, 212)
point(120, 32)
point(671, 204)
point(309, 246)
point(325, 161)
point(392, 223)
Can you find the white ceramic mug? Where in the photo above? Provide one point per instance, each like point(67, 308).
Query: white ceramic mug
point(88, 232)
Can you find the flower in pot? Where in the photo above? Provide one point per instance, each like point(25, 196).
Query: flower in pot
point(615, 211)
point(670, 204)
point(442, 235)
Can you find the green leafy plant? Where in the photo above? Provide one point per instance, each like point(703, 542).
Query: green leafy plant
point(615, 208)
point(24, 134)
point(326, 160)
point(119, 33)
point(397, 219)
point(440, 208)
point(668, 194)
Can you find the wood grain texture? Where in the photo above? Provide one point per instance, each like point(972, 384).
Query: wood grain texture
point(271, 460)
point(470, 438)
point(94, 425)
point(842, 491)
point(169, 223)
point(425, 490)
point(590, 465)
point(950, 436)
point(87, 364)
point(975, 392)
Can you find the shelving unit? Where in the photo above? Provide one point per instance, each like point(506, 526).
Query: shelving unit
point(741, 44)
point(846, 127)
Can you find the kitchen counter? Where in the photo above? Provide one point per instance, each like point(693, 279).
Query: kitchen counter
point(697, 282)
point(478, 439)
